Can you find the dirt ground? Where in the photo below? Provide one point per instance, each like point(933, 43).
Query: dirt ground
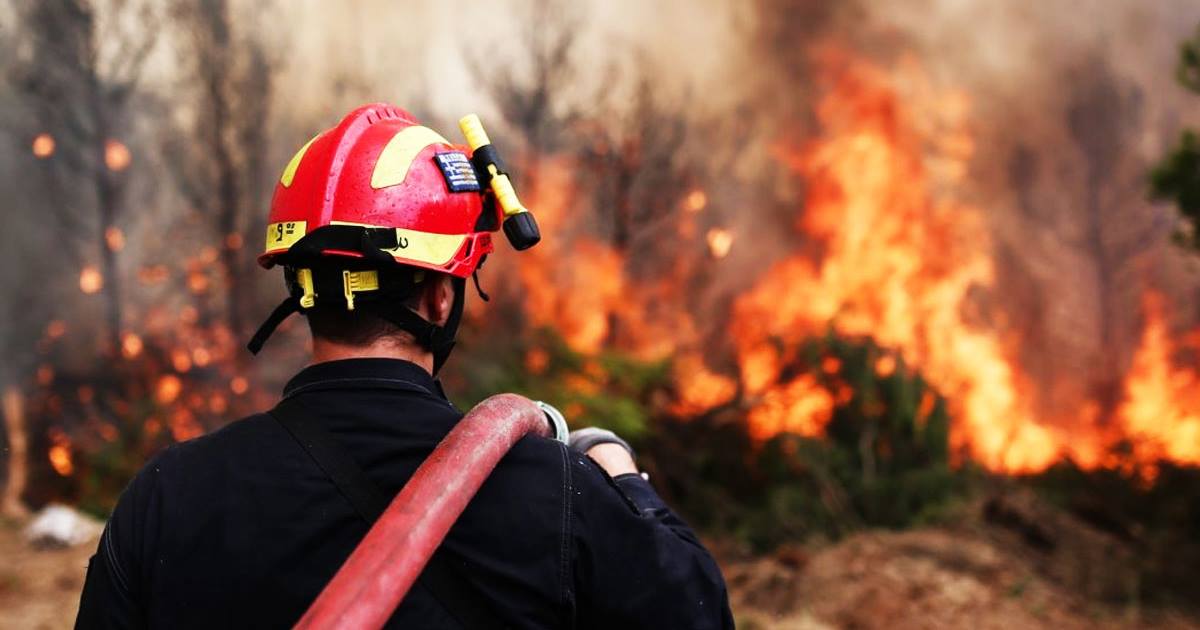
point(918, 579)
point(928, 578)
point(39, 588)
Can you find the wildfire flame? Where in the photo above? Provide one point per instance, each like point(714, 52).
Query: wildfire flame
point(1161, 411)
point(898, 266)
point(890, 254)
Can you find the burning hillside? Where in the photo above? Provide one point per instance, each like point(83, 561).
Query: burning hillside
point(896, 257)
point(890, 252)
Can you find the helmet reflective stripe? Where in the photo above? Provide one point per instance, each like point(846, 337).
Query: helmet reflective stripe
point(398, 155)
point(289, 172)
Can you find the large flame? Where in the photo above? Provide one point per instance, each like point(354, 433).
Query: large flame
point(888, 253)
point(897, 263)
point(1161, 411)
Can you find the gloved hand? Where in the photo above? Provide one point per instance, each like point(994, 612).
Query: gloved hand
point(605, 448)
point(584, 439)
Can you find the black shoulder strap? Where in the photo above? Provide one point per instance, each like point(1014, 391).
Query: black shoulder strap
point(438, 577)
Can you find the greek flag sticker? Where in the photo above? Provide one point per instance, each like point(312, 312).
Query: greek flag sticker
point(457, 169)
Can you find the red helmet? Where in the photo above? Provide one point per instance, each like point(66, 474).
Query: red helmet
point(379, 168)
point(364, 208)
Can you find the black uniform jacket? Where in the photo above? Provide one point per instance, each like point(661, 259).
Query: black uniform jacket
point(241, 528)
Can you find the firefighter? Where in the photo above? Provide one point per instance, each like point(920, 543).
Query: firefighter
point(378, 223)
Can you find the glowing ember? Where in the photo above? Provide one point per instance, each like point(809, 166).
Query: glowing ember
point(695, 201)
point(90, 280)
point(153, 274)
point(107, 432)
point(168, 389)
point(180, 360)
point(60, 459)
point(131, 345)
point(197, 282)
point(184, 426)
point(116, 156)
point(45, 375)
point(201, 357)
point(114, 238)
point(43, 145)
point(719, 242)
point(233, 241)
point(239, 385)
point(55, 329)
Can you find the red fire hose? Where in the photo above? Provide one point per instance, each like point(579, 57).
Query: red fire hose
point(374, 579)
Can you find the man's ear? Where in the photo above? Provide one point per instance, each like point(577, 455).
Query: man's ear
point(439, 299)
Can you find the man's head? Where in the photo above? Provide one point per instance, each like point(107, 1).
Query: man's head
point(341, 333)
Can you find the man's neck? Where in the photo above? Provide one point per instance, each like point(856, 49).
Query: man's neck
point(325, 350)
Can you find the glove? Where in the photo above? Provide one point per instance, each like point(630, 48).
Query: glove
point(583, 440)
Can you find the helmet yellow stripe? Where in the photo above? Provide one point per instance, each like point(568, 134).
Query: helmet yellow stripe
point(289, 171)
point(396, 158)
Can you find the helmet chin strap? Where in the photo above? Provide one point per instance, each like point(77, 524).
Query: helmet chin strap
point(438, 340)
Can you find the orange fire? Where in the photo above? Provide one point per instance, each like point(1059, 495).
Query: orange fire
point(799, 406)
point(699, 388)
point(719, 242)
point(579, 285)
point(1161, 411)
point(898, 265)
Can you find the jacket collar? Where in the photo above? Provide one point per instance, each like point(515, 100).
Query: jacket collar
point(360, 373)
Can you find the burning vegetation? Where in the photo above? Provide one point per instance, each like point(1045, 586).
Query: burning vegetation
point(809, 317)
